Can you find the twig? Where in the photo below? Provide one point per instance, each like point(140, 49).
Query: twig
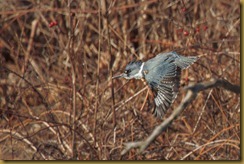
point(28, 57)
point(204, 106)
point(145, 100)
point(126, 101)
point(73, 73)
point(190, 96)
point(106, 25)
point(97, 74)
point(19, 137)
point(225, 141)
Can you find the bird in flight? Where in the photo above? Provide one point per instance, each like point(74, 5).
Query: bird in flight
point(162, 74)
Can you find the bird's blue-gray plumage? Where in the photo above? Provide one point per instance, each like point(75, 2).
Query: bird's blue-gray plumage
point(162, 74)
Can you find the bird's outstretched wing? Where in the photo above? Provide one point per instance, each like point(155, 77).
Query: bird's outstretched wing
point(164, 86)
point(166, 92)
point(162, 74)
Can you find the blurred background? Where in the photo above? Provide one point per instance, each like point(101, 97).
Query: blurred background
point(57, 98)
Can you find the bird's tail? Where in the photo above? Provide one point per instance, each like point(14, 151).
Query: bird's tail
point(184, 62)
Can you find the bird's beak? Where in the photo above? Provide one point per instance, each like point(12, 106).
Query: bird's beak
point(118, 76)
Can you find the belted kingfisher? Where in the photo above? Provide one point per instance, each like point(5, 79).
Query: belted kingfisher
point(162, 74)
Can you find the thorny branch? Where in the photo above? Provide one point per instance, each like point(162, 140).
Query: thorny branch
point(192, 92)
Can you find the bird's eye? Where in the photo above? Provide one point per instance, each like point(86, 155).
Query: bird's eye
point(127, 71)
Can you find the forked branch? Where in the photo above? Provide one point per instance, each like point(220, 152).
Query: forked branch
point(192, 92)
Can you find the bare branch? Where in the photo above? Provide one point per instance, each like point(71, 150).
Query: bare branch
point(192, 92)
point(215, 83)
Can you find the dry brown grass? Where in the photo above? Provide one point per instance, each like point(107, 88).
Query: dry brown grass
point(56, 92)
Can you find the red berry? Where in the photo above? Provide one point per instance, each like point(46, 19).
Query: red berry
point(186, 33)
point(54, 23)
point(183, 9)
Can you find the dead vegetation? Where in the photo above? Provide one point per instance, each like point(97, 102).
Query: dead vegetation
point(57, 99)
